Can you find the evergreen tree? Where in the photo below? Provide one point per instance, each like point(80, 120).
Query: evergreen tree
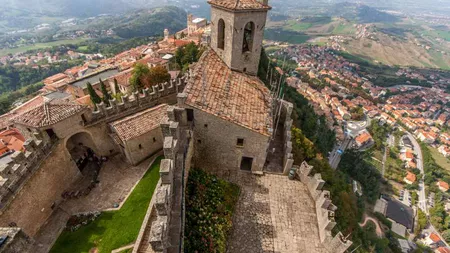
point(106, 96)
point(116, 86)
point(94, 96)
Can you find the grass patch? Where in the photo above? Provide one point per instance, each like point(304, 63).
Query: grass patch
point(286, 36)
point(344, 29)
point(36, 46)
point(298, 26)
point(439, 158)
point(114, 229)
point(210, 206)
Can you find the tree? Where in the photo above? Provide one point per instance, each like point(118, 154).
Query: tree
point(106, 96)
point(157, 75)
point(140, 72)
point(422, 221)
point(187, 55)
point(302, 148)
point(446, 235)
point(116, 86)
point(94, 96)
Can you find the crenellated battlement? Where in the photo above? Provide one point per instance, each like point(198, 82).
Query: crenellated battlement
point(286, 112)
point(22, 166)
point(166, 225)
point(325, 210)
point(157, 94)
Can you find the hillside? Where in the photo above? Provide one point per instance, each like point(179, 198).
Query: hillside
point(151, 22)
point(388, 50)
point(360, 13)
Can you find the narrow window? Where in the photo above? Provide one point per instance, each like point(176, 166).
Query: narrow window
point(240, 142)
point(206, 125)
point(221, 34)
point(248, 37)
point(83, 118)
point(154, 139)
point(199, 141)
point(140, 146)
point(190, 115)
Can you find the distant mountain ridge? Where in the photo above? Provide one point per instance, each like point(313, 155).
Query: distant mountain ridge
point(361, 13)
point(78, 8)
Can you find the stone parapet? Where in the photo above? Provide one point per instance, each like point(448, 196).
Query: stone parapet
point(22, 166)
point(325, 210)
point(286, 112)
point(168, 225)
point(157, 94)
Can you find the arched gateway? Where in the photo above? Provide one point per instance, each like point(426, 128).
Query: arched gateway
point(82, 149)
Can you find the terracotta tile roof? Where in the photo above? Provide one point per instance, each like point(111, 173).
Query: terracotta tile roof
point(240, 4)
point(123, 78)
point(48, 113)
point(12, 139)
point(443, 250)
point(86, 100)
point(363, 138)
point(434, 237)
point(236, 97)
point(411, 177)
point(443, 184)
point(139, 123)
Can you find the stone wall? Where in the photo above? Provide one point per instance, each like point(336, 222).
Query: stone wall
point(324, 210)
point(286, 112)
point(216, 142)
point(33, 183)
point(232, 53)
point(168, 226)
point(158, 94)
point(17, 242)
point(144, 146)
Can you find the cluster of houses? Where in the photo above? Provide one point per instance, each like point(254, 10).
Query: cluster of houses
point(73, 82)
point(71, 85)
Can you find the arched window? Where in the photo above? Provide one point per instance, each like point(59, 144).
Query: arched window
point(249, 31)
point(221, 34)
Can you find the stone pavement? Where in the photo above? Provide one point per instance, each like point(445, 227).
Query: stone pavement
point(117, 179)
point(274, 214)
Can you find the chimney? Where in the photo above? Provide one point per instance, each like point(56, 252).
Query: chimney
point(265, 2)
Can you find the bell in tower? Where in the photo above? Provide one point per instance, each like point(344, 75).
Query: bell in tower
point(237, 32)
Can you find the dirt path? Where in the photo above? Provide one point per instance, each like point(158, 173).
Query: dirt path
point(378, 229)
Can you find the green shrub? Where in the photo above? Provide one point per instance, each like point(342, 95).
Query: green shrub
point(383, 220)
point(210, 206)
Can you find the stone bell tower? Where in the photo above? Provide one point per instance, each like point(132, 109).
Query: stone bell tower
point(237, 32)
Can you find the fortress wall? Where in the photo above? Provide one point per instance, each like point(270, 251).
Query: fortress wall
point(158, 94)
point(169, 205)
point(324, 210)
point(32, 205)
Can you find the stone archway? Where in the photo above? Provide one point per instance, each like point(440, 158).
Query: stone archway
point(82, 149)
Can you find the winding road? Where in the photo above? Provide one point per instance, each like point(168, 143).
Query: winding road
point(378, 229)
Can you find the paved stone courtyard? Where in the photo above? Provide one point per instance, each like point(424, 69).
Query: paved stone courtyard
point(273, 214)
point(116, 177)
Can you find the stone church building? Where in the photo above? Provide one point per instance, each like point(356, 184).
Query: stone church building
point(230, 107)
